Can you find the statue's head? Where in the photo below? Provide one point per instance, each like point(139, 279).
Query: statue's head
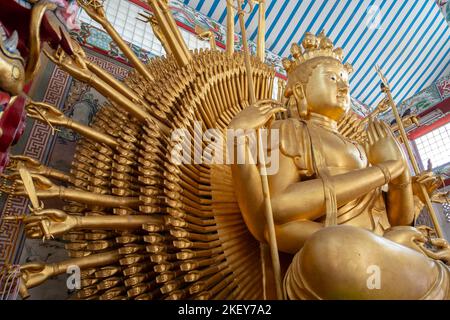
point(317, 78)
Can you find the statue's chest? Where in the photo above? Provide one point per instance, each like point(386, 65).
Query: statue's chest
point(342, 153)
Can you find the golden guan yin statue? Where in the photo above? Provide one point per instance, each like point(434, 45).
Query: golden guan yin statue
point(143, 227)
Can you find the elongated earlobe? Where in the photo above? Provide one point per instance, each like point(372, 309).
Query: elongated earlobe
point(300, 98)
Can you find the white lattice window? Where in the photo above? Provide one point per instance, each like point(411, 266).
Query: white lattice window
point(194, 42)
point(123, 16)
point(435, 146)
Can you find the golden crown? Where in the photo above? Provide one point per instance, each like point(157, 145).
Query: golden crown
point(314, 47)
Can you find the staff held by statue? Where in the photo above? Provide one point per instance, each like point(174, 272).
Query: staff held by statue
point(263, 173)
point(387, 90)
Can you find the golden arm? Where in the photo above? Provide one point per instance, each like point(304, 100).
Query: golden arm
point(34, 166)
point(103, 200)
point(400, 200)
point(116, 222)
point(50, 114)
point(48, 223)
point(348, 186)
point(304, 200)
point(46, 189)
point(33, 274)
point(91, 133)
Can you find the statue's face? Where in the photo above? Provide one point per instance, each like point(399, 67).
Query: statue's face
point(327, 92)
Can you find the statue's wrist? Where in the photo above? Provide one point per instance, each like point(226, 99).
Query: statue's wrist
point(62, 193)
point(385, 171)
point(54, 270)
point(68, 123)
point(79, 222)
point(402, 181)
point(398, 185)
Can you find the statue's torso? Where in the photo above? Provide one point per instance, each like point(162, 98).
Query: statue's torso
point(341, 156)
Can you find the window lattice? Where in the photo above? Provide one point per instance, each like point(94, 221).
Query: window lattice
point(435, 146)
point(123, 16)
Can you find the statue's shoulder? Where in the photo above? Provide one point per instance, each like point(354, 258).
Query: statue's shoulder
point(295, 142)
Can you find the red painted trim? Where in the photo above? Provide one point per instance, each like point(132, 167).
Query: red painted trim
point(447, 182)
point(180, 24)
point(27, 87)
point(444, 106)
point(141, 4)
point(422, 130)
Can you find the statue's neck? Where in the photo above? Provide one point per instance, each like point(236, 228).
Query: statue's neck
point(323, 121)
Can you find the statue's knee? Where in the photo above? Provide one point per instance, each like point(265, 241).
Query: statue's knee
point(326, 246)
point(332, 264)
point(345, 262)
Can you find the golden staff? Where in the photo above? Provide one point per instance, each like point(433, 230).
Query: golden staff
point(261, 46)
point(230, 28)
point(387, 90)
point(263, 173)
point(35, 205)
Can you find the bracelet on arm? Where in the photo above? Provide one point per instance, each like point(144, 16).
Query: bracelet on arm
point(400, 185)
point(385, 171)
point(61, 193)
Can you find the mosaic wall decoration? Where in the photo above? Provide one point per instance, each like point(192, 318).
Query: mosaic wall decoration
point(425, 99)
point(443, 86)
point(76, 100)
point(94, 38)
point(11, 233)
point(81, 103)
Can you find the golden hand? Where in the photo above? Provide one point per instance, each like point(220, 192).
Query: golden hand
point(47, 113)
point(430, 181)
point(256, 116)
point(441, 197)
point(35, 273)
point(45, 224)
point(73, 62)
point(382, 146)
point(413, 238)
point(33, 166)
point(29, 163)
point(44, 187)
point(441, 250)
point(94, 8)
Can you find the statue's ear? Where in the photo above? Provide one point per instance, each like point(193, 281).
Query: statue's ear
point(299, 91)
point(300, 97)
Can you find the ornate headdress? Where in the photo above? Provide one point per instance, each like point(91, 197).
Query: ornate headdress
point(317, 50)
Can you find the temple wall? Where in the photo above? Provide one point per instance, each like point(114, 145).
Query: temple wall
point(80, 102)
